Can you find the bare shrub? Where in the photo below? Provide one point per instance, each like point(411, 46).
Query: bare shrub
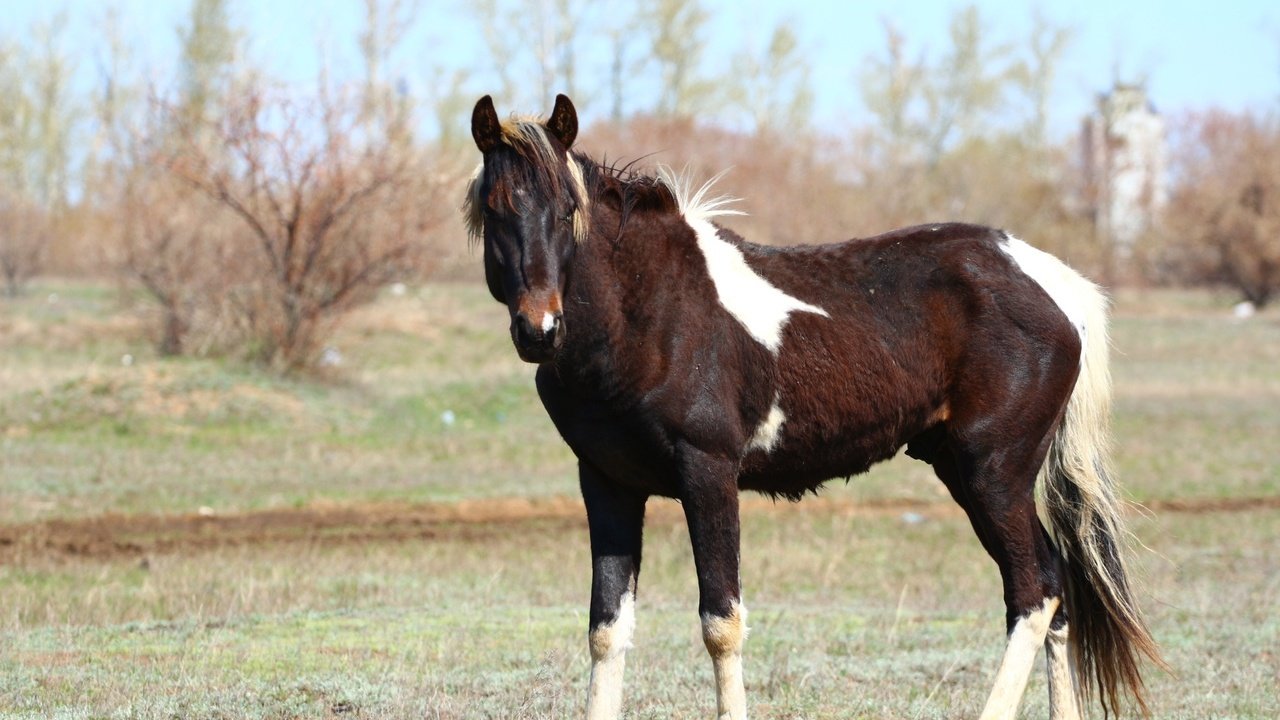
point(163, 235)
point(1223, 225)
point(324, 215)
point(1031, 191)
point(25, 231)
point(175, 247)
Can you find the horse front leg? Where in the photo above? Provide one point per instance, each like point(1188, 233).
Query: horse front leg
point(710, 498)
point(615, 517)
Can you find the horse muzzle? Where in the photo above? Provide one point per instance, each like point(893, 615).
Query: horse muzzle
point(537, 329)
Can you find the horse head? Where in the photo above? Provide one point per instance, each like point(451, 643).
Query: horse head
point(528, 206)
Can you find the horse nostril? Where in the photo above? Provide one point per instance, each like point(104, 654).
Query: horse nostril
point(544, 331)
point(551, 327)
point(525, 330)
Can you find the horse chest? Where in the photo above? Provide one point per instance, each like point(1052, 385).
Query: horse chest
point(631, 448)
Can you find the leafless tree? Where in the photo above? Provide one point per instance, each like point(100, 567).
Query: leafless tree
point(24, 238)
point(772, 85)
point(1223, 224)
point(173, 244)
point(384, 105)
point(533, 46)
point(326, 214)
point(674, 29)
point(208, 47)
point(36, 119)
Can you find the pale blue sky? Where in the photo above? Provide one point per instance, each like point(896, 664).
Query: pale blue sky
point(1192, 54)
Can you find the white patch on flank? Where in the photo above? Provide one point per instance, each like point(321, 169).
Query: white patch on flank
point(769, 432)
point(724, 637)
point(1053, 275)
point(1063, 703)
point(609, 645)
point(1020, 654)
point(548, 322)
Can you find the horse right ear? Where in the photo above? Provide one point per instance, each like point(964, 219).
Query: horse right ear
point(563, 122)
point(486, 129)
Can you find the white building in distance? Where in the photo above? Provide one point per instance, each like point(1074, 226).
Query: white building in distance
point(1125, 166)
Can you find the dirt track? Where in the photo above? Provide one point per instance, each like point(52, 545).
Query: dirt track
point(112, 536)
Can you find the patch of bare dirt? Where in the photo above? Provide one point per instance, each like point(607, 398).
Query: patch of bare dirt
point(110, 536)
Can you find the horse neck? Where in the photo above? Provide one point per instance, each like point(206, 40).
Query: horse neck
point(621, 284)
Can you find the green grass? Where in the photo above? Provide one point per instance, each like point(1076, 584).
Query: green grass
point(82, 433)
point(1197, 405)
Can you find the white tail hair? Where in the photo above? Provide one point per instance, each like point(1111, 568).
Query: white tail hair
point(1085, 518)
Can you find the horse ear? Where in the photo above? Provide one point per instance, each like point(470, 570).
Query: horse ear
point(486, 129)
point(564, 121)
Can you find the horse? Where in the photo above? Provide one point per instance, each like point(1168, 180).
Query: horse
point(678, 360)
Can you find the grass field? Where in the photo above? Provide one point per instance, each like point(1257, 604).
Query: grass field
point(190, 538)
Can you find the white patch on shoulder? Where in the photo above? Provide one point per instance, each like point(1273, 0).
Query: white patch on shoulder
point(1058, 280)
point(769, 433)
point(761, 308)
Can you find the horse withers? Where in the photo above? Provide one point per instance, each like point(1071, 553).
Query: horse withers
point(678, 360)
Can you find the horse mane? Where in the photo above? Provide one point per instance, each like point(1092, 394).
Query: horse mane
point(664, 190)
point(698, 204)
point(627, 188)
point(589, 180)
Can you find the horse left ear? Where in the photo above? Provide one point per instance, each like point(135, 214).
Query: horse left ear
point(486, 129)
point(564, 121)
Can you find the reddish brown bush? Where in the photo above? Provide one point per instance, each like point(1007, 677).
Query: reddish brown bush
point(174, 243)
point(25, 232)
point(1223, 226)
point(321, 215)
point(806, 189)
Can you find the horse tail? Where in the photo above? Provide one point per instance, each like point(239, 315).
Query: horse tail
point(1107, 633)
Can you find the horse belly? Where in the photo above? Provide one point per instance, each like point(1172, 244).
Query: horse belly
point(838, 434)
point(795, 468)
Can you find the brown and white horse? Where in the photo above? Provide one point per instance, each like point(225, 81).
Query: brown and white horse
point(680, 361)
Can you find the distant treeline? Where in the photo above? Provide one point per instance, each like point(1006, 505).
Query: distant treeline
point(255, 215)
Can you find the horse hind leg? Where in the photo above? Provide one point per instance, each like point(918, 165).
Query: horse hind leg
point(1064, 694)
point(1000, 502)
point(1028, 634)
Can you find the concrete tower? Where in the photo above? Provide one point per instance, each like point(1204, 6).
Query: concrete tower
point(1125, 165)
